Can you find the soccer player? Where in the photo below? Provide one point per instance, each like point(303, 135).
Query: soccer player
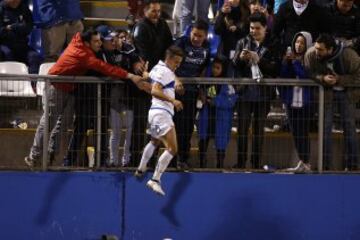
point(160, 116)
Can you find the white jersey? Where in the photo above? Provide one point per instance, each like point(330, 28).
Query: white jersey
point(163, 75)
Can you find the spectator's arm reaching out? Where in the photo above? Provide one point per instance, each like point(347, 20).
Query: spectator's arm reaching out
point(113, 71)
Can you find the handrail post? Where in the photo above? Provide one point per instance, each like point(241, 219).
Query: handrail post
point(46, 125)
point(98, 130)
point(321, 130)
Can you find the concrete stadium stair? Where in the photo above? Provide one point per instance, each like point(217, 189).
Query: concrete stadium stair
point(113, 12)
point(109, 12)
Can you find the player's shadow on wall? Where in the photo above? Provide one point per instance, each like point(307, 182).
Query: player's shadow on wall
point(176, 193)
point(55, 189)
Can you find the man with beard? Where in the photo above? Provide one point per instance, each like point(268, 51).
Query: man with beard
point(334, 66)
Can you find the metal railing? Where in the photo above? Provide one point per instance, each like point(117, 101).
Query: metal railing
point(189, 81)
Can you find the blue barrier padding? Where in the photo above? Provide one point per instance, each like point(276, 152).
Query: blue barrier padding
point(87, 205)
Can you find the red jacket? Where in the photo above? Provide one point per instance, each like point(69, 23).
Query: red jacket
point(77, 59)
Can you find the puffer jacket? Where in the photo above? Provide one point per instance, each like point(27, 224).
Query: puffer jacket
point(77, 59)
point(48, 13)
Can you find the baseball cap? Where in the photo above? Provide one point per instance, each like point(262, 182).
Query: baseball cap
point(106, 32)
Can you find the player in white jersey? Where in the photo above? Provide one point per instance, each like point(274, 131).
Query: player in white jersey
point(160, 116)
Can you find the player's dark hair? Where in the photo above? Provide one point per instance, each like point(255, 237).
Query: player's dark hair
point(173, 51)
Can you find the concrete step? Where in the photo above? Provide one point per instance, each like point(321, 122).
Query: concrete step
point(113, 13)
point(105, 9)
point(113, 22)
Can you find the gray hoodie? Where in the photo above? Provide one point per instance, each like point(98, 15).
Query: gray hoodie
point(308, 40)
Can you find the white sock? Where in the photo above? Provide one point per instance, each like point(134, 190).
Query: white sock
point(162, 164)
point(147, 154)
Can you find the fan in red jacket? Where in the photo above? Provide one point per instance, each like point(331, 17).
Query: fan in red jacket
point(77, 59)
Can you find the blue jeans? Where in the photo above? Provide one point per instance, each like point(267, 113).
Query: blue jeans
point(58, 102)
point(347, 118)
point(117, 123)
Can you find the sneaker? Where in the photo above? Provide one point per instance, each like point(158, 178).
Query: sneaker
point(139, 174)
point(155, 186)
point(307, 167)
point(183, 166)
point(29, 162)
point(301, 167)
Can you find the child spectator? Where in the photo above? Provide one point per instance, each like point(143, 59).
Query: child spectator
point(215, 117)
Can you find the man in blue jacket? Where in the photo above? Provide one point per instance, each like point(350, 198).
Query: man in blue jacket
point(59, 21)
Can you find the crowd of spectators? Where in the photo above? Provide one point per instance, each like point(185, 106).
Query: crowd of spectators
point(258, 39)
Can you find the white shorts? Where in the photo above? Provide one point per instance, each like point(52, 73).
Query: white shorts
point(160, 123)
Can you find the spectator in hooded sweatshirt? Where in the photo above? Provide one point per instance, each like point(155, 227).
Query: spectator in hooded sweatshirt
point(298, 100)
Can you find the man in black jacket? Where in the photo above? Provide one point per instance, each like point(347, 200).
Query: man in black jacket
point(152, 37)
point(345, 23)
point(16, 24)
point(255, 57)
point(299, 15)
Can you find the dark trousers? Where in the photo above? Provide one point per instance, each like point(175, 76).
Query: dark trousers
point(85, 118)
point(347, 117)
point(300, 121)
point(184, 124)
point(245, 111)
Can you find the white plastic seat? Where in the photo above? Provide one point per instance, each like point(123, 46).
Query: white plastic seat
point(43, 70)
point(15, 88)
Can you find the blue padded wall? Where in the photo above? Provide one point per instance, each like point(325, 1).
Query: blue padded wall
point(86, 205)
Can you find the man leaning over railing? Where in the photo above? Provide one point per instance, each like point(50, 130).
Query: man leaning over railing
point(196, 58)
point(334, 66)
point(77, 59)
